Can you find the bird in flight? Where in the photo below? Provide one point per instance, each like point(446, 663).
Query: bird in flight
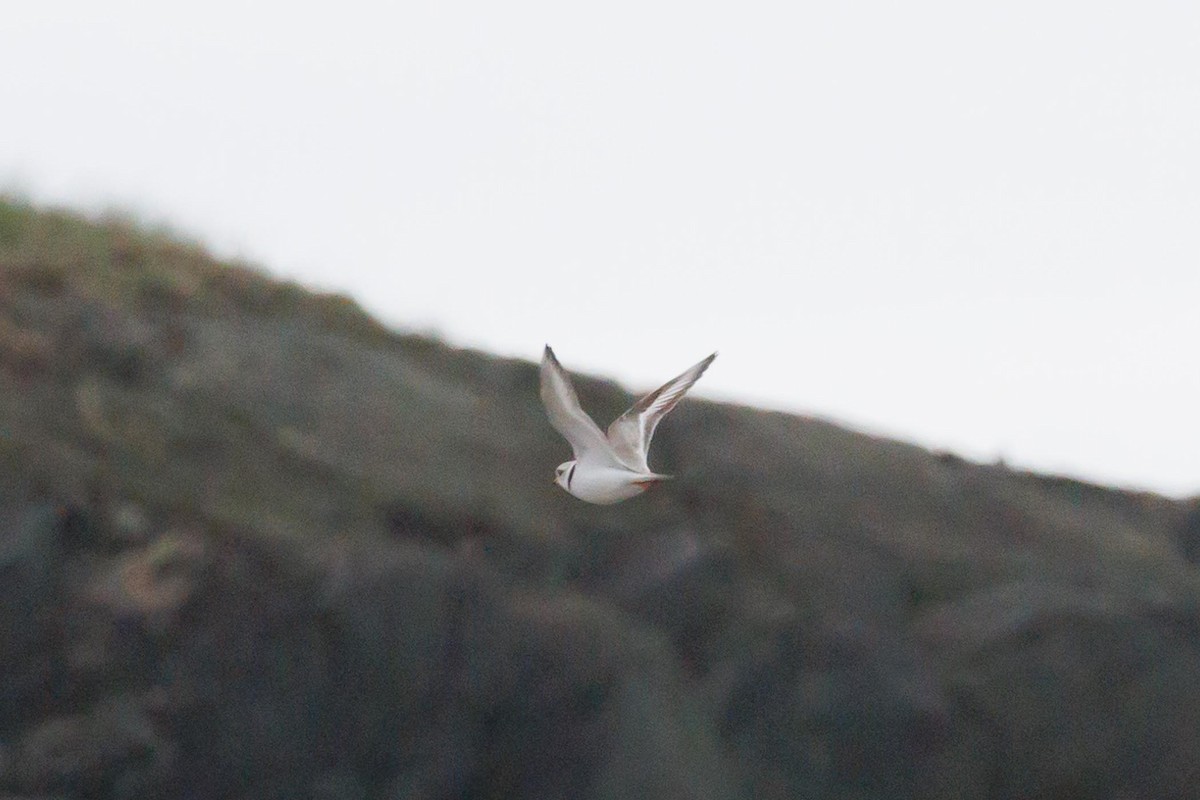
point(609, 467)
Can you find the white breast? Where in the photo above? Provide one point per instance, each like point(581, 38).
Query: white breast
point(604, 485)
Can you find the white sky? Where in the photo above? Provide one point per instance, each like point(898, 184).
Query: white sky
point(975, 226)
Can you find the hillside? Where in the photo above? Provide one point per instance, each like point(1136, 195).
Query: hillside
point(254, 544)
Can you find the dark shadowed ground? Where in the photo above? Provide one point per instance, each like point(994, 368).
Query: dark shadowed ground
point(254, 545)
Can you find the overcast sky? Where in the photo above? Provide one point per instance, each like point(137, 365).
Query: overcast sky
point(975, 226)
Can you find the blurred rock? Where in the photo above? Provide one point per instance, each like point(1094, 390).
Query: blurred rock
point(339, 785)
point(593, 707)
point(129, 525)
point(394, 628)
point(246, 677)
point(1189, 534)
point(31, 592)
point(153, 583)
point(1076, 701)
point(676, 580)
point(836, 709)
point(114, 751)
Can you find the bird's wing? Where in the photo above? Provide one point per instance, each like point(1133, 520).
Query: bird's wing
point(630, 434)
point(567, 416)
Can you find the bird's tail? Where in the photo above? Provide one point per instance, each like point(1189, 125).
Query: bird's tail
point(653, 480)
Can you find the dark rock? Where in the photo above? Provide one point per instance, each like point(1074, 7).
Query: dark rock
point(408, 521)
point(112, 751)
point(246, 678)
point(1189, 535)
point(676, 581)
point(124, 621)
point(31, 593)
point(392, 623)
point(128, 525)
point(829, 706)
point(590, 706)
point(119, 347)
point(1079, 700)
point(339, 784)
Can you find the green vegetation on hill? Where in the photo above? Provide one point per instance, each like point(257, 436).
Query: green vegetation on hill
point(254, 544)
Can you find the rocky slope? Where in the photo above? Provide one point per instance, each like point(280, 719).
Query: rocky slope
point(253, 544)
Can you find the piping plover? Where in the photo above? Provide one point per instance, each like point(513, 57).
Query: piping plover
point(609, 467)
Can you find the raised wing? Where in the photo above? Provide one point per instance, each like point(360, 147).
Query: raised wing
point(630, 435)
point(567, 416)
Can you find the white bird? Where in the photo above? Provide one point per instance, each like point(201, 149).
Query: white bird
point(609, 468)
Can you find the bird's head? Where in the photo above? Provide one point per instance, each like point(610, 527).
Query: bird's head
point(562, 474)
